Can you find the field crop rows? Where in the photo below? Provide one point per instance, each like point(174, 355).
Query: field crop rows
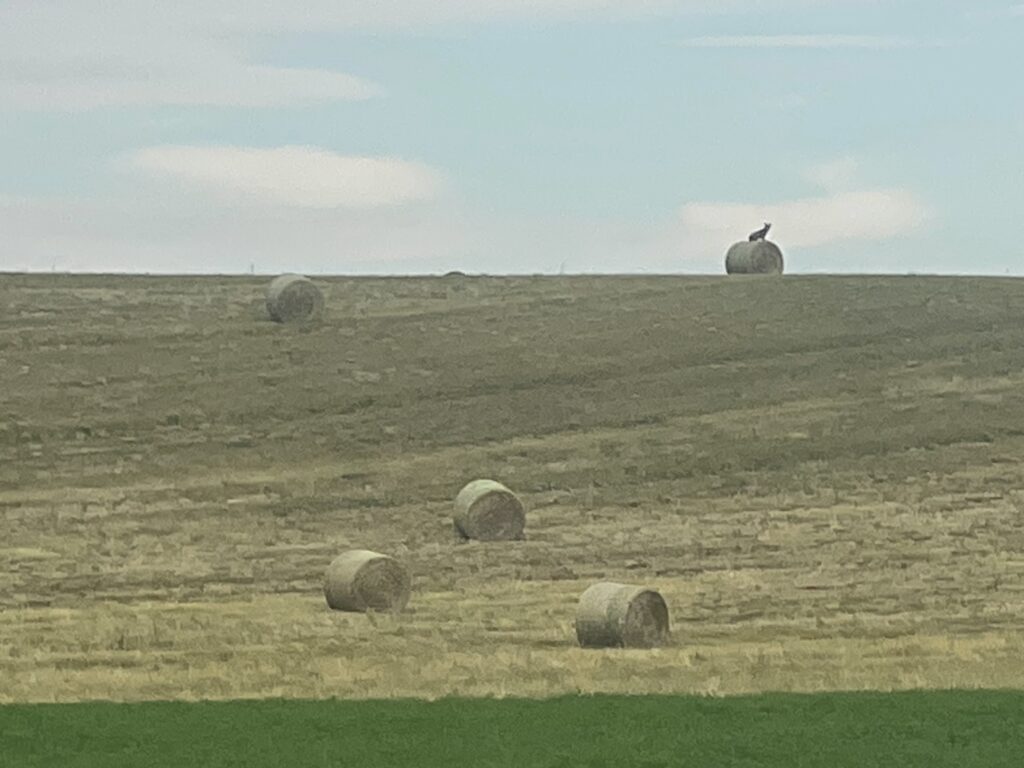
point(821, 475)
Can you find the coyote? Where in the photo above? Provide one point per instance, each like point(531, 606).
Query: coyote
point(761, 233)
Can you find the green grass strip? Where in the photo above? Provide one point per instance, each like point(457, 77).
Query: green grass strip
point(956, 728)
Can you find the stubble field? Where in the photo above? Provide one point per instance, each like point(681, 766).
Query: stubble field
point(823, 476)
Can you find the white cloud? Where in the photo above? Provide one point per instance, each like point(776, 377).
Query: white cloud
point(81, 20)
point(70, 55)
point(866, 215)
point(231, 84)
point(845, 212)
point(277, 15)
point(216, 17)
point(155, 232)
point(151, 233)
point(304, 177)
point(871, 42)
point(385, 14)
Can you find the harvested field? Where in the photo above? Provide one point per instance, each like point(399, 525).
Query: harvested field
point(823, 477)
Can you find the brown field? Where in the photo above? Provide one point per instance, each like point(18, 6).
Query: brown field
point(823, 476)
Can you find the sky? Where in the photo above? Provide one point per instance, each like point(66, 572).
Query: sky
point(510, 136)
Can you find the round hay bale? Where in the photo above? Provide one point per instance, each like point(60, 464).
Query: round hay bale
point(488, 511)
point(611, 615)
point(758, 257)
point(361, 580)
point(293, 298)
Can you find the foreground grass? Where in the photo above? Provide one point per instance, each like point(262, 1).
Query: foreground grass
point(906, 729)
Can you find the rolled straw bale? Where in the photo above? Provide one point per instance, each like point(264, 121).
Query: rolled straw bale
point(488, 511)
point(360, 580)
point(293, 297)
point(620, 615)
point(757, 257)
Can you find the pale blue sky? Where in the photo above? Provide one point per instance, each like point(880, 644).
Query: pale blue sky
point(509, 137)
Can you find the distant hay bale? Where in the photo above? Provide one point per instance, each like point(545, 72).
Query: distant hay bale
point(361, 580)
point(758, 257)
point(613, 615)
point(488, 511)
point(293, 298)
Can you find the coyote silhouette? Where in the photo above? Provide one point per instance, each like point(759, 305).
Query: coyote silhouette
point(761, 233)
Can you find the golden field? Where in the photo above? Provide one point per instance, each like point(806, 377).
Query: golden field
point(824, 477)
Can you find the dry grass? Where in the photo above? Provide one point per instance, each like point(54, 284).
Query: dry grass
point(822, 477)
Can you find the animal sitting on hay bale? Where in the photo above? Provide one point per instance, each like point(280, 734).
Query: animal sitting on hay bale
point(488, 511)
point(362, 580)
point(754, 256)
point(611, 615)
point(760, 234)
point(293, 298)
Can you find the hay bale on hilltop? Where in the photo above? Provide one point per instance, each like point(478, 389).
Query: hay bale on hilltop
point(488, 511)
point(757, 257)
point(611, 615)
point(292, 298)
point(361, 580)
